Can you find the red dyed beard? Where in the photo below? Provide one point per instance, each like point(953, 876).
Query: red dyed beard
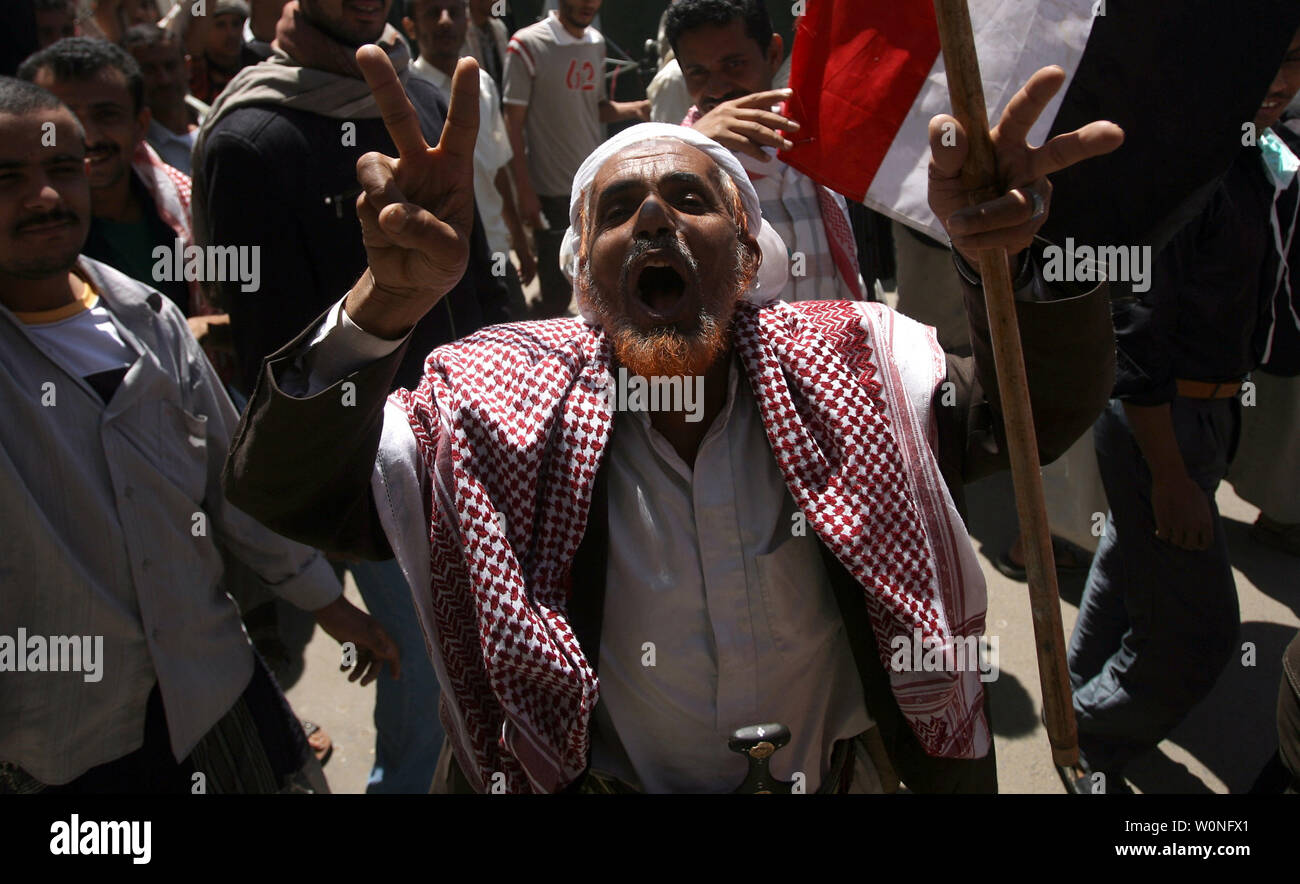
point(665, 351)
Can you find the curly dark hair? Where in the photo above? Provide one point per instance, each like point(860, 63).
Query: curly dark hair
point(80, 58)
point(19, 97)
point(687, 15)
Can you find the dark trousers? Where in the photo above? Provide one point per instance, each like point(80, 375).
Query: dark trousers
point(516, 301)
point(556, 290)
point(1157, 624)
point(1288, 714)
point(261, 753)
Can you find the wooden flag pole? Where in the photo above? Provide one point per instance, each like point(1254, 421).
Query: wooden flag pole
point(967, 92)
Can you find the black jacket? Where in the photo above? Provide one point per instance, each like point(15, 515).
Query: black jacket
point(1214, 289)
point(285, 180)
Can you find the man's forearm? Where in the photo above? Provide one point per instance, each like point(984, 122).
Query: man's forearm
point(1153, 427)
point(302, 457)
point(1068, 345)
point(618, 111)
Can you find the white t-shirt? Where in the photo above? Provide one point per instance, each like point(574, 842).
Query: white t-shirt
point(491, 152)
point(81, 337)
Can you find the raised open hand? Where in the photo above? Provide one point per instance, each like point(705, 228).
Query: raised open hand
point(748, 124)
point(1012, 219)
point(417, 210)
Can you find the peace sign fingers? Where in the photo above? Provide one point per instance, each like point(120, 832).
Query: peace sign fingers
point(1020, 163)
point(416, 210)
point(399, 116)
point(460, 132)
point(1027, 105)
point(1093, 140)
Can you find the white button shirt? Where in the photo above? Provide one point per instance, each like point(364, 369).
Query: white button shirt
point(711, 570)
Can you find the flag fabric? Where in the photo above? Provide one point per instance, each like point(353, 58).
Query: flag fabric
point(1180, 78)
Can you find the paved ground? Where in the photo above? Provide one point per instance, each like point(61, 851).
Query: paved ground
point(1219, 748)
point(1223, 744)
point(323, 695)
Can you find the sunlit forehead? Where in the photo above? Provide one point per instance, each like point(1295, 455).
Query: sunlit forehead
point(659, 162)
point(40, 138)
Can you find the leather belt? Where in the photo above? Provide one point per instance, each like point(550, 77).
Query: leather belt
point(1207, 389)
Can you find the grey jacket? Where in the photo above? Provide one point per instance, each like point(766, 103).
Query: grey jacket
point(113, 526)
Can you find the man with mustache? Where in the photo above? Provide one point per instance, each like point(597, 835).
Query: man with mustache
point(729, 53)
point(556, 109)
point(116, 531)
point(138, 202)
point(275, 167)
point(548, 537)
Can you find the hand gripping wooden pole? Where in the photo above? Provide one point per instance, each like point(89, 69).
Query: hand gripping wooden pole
point(967, 92)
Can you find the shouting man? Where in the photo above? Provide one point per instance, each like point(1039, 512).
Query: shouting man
point(548, 535)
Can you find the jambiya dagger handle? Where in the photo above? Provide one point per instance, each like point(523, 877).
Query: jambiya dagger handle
point(757, 743)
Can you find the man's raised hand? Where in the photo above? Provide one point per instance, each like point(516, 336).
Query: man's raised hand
point(416, 210)
point(748, 124)
point(1009, 221)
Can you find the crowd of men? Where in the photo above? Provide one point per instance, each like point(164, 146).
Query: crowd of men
point(257, 335)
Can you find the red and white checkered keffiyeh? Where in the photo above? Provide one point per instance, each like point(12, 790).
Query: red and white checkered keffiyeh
point(171, 192)
point(511, 425)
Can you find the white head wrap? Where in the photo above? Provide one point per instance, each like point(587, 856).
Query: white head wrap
point(775, 269)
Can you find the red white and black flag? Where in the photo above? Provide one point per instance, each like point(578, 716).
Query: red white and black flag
point(1182, 79)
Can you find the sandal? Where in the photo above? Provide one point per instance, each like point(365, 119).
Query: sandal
point(319, 741)
point(1070, 559)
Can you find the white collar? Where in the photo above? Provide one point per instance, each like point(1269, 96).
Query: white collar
point(422, 67)
point(564, 38)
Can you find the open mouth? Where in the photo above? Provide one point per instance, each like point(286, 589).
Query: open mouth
point(661, 288)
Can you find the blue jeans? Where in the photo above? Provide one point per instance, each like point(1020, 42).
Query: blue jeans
point(1157, 623)
point(408, 734)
